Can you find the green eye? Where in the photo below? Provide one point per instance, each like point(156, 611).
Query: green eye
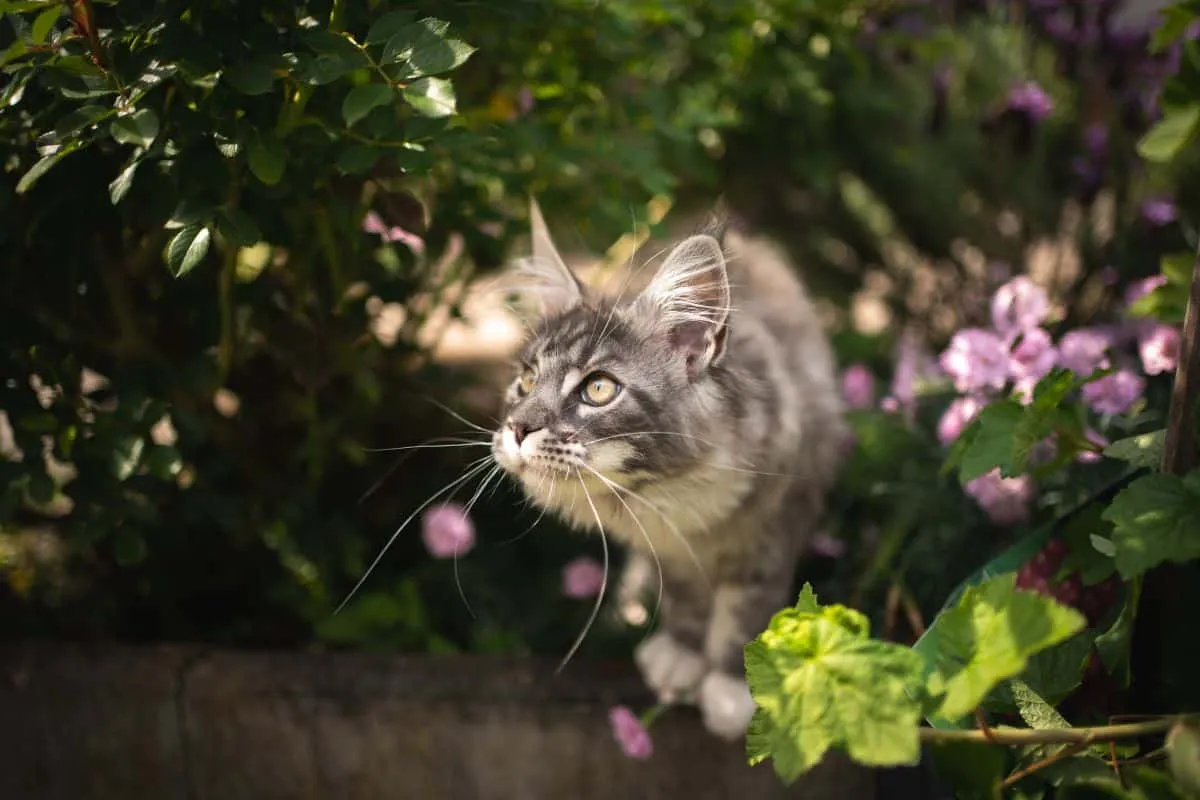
point(599, 390)
point(527, 381)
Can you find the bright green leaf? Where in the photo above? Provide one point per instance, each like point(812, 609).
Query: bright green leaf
point(1034, 710)
point(424, 49)
point(432, 97)
point(992, 443)
point(1164, 141)
point(267, 158)
point(821, 682)
point(1156, 519)
point(124, 181)
point(250, 78)
point(362, 100)
point(126, 456)
point(1143, 450)
point(1174, 22)
point(187, 248)
point(238, 227)
point(139, 128)
point(990, 636)
point(44, 24)
point(808, 600)
point(1183, 756)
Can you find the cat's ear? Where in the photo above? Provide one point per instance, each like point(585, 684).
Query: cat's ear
point(544, 276)
point(690, 298)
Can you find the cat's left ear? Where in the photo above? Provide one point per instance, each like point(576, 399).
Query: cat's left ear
point(690, 298)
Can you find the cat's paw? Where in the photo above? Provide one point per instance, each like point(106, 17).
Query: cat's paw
point(725, 705)
point(671, 669)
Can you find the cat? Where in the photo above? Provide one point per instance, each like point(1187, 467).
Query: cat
point(698, 422)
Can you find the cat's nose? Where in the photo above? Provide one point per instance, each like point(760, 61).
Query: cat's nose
point(521, 430)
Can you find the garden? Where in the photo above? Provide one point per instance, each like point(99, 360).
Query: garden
point(250, 334)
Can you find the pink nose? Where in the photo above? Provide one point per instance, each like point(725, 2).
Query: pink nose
point(521, 431)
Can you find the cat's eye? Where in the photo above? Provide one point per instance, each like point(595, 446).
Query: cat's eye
point(527, 380)
point(599, 389)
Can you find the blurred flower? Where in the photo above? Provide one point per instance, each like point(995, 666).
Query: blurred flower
point(1083, 351)
point(913, 363)
point(889, 405)
point(630, 734)
point(373, 223)
point(1115, 393)
point(1139, 289)
point(1158, 345)
point(1095, 138)
point(828, 546)
point(1019, 305)
point(1109, 275)
point(582, 578)
point(1087, 456)
point(524, 100)
point(1031, 99)
point(1033, 357)
point(976, 360)
point(1159, 211)
point(858, 386)
point(958, 415)
point(1004, 500)
point(447, 531)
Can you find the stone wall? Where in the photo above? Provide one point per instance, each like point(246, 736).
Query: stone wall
point(180, 723)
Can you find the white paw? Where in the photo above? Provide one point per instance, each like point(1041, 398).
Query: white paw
point(726, 705)
point(671, 669)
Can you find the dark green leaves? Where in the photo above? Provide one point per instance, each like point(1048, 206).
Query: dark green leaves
point(820, 681)
point(250, 78)
point(432, 97)
point(362, 100)
point(266, 157)
point(1143, 450)
point(139, 128)
point(1175, 130)
point(237, 226)
point(187, 248)
point(424, 49)
point(1156, 519)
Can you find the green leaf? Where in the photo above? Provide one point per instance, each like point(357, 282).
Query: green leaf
point(139, 128)
point(124, 181)
point(38, 170)
point(1183, 756)
point(808, 600)
point(974, 770)
point(129, 547)
point(163, 461)
point(362, 100)
point(425, 50)
point(432, 97)
point(1156, 519)
point(992, 443)
point(1114, 645)
point(356, 158)
point(238, 227)
point(821, 682)
point(187, 248)
point(126, 455)
point(388, 26)
point(250, 78)
point(1164, 141)
point(1143, 450)
point(267, 158)
point(1175, 20)
point(990, 636)
point(1034, 710)
point(41, 487)
point(44, 24)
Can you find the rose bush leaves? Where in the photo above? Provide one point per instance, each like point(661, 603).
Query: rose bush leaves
point(1156, 519)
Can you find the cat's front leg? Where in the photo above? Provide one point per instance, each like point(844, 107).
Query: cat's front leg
point(671, 660)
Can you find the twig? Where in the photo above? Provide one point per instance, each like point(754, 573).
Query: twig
point(1066, 752)
point(984, 728)
point(1179, 448)
point(1019, 737)
point(912, 612)
point(1116, 762)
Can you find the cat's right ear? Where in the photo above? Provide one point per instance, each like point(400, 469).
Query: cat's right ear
point(545, 277)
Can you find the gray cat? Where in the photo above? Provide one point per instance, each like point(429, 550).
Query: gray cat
point(699, 422)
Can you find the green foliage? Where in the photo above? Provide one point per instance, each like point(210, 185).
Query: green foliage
point(1155, 520)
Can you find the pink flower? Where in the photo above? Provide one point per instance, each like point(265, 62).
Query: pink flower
point(976, 360)
point(913, 364)
point(582, 578)
point(858, 386)
point(828, 546)
point(1158, 211)
point(889, 405)
point(1033, 357)
point(1018, 306)
point(957, 417)
point(1158, 345)
point(1083, 351)
point(373, 223)
point(1004, 500)
point(447, 531)
point(630, 734)
point(1115, 393)
point(1087, 456)
point(1140, 288)
point(1032, 99)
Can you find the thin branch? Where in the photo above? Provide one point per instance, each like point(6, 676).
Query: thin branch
point(1018, 737)
point(1054, 758)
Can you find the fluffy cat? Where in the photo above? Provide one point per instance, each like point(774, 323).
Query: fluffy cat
point(699, 423)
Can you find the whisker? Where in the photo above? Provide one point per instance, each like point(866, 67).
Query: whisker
point(447, 443)
point(474, 469)
point(467, 512)
point(603, 582)
point(460, 417)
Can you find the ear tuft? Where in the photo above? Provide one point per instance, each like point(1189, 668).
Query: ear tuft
point(545, 275)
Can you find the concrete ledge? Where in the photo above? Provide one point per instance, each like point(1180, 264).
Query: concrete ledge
point(105, 722)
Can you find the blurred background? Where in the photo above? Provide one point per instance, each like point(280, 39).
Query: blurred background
point(252, 248)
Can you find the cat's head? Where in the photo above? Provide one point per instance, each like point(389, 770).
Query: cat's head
point(616, 386)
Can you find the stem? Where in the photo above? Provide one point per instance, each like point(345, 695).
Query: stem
point(1018, 737)
point(1066, 752)
point(1179, 449)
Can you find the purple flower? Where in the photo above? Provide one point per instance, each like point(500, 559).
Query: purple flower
point(447, 531)
point(1030, 98)
point(958, 415)
point(1004, 500)
point(373, 223)
point(582, 578)
point(1033, 357)
point(976, 360)
point(912, 364)
point(1139, 289)
point(1095, 138)
point(1158, 345)
point(1115, 393)
point(858, 386)
point(889, 405)
point(1018, 306)
point(1083, 351)
point(524, 100)
point(630, 734)
point(1088, 456)
point(828, 546)
point(1159, 211)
